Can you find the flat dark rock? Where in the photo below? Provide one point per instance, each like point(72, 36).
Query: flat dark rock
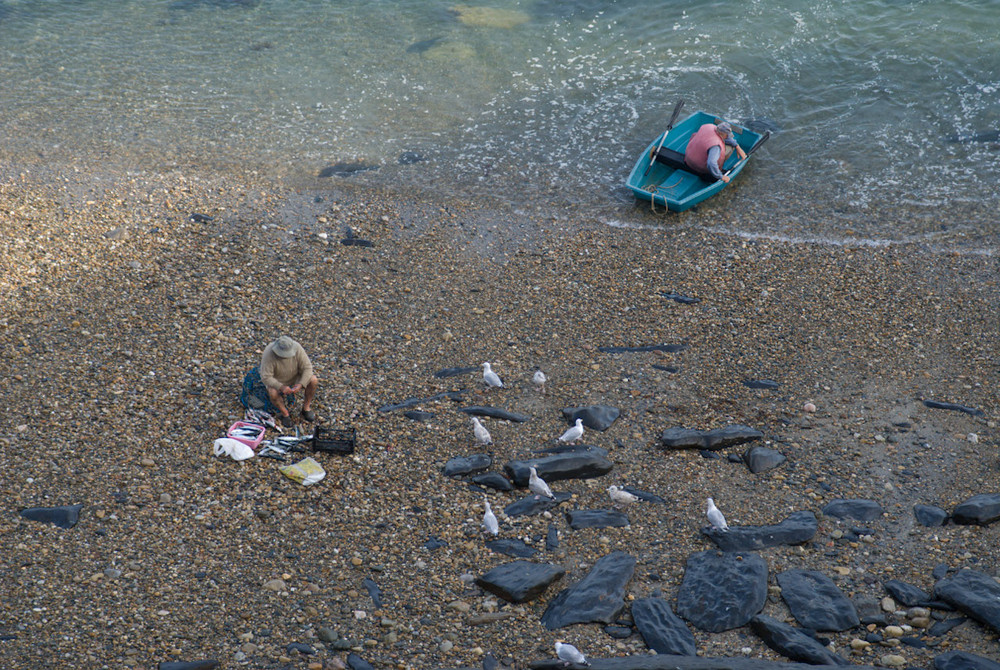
point(410, 158)
point(595, 417)
point(944, 627)
point(513, 548)
point(464, 465)
point(418, 415)
point(713, 440)
point(552, 538)
point(496, 413)
point(556, 467)
point(666, 368)
point(682, 299)
point(797, 528)
point(596, 518)
point(963, 660)
point(934, 404)
point(768, 384)
point(455, 396)
point(572, 449)
point(669, 348)
point(433, 543)
point(520, 581)
point(352, 241)
point(792, 642)
point(722, 590)
point(355, 662)
point(762, 459)
point(816, 602)
point(493, 480)
point(982, 509)
point(532, 505)
point(973, 593)
point(860, 510)
point(929, 515)
point(374, 592)
point(188, 665)
point(454, 372)
point(200, 218)
point(599, 597)
point(663, 631)
point(905, 594)
point(300, 647)
point(345, 169)
point(671, 662)
point(645, 496)
point(64, 517)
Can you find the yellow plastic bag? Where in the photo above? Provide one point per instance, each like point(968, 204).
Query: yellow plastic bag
point(305, 472)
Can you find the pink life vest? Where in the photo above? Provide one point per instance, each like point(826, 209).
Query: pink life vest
point(696, 154)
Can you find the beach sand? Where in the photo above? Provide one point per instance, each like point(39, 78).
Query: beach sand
point(127, 329)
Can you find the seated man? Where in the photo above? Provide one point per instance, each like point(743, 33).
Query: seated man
point(708, 149)
point(285, 369)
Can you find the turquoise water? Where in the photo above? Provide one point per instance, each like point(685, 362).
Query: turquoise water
point(542, 102)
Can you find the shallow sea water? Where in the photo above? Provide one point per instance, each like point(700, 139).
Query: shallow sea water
point(539, 101)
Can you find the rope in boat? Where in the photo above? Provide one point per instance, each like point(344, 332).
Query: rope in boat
point(653, 188)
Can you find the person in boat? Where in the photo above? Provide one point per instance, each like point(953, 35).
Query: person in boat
point(285, 369)
point(710, 147)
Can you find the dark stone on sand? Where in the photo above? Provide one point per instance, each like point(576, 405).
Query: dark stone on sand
point(661, 629)
point(200, 218)
point(410, 158)
point(973, 593)
point(552, 538)
point(455, 396)
point(713, 440)
point(119, 233)
point(345, 169)
point(599, 597)
point(761, 125)
point(433, 543)
point(793, 642)
point(669, 348)
point(596, 518)
point(64, 517)
point(454, 372)
point(682, 299)
point(572, 449)
point(417, 415)
point(300, 647)
point(944, 627)
point(870, 611)
point(465, 465)
point(520, 581)
point(860, 510)
point(355, 662)
point(423, 45)
point(929, 515)
point(351, 241)
point(934, 404)
point(513, 548)
point(768, 384)
point(762, 459)
point(595, 417)
point(556, 467)
point(671, 662)
point(982, 509)
point(963, 660)
point(374, 592)
point(493, 480)
point(905, 594)
point(535, 504)
point(495, 413)
point(618, 632)
point(797, 528)
point(722, 590)
point(188, 665)
point(816, 602)
point(645, 496)
point(666, 368)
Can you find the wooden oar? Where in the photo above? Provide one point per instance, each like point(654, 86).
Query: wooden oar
point(767, 134)
point(670, 125)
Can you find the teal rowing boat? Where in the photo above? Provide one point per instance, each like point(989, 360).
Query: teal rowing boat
point(661, 177)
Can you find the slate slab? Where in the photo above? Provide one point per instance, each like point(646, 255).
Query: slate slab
point(713, 440)
point(793, 642)
point(520, 581)
point(598, 597)
point(722, 590)
point(512, 547)
point(663, 631)
point(929, 515)
point(188, 665)
point(982, 509)
point(762, 459)
point(670, 662)
point(816, 602)
point(973, 593)
point(595, 417)
point(596, 518)
point(464, 465)
point(495, 413)
point(963, 660)
point(857, 509)
point(586, 464)
point(532, 504)
point(64, 517)
point(493, 480)
point(797, 528)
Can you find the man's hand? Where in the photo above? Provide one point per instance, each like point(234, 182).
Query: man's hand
point(725, 178)
point(296, 388)
point(286, 390)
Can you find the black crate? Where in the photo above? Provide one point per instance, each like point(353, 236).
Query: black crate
point(334, 440)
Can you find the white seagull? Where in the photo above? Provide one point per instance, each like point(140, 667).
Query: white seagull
point(490, 377)
point(715, 516)
point(573, 434)
point(539, 379)
point(570, 655)
point(482, 435)
point(538, 486)
point(490, 520)
point(622, 496)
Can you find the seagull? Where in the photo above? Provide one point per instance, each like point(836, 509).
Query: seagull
point(573, 434)
point(539, 380)
point(490, 520)
point(538, 486)
point(490, 377)
point(619, 495)
point(482, 435)
point(715, 517)
point(570, 655)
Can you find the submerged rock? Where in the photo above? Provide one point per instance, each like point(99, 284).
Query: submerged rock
point(662, 630)
point(345, 169)
point(520, 581)
point(816, 602)
point(598, 597)
point(722, 590)
point(797, 528)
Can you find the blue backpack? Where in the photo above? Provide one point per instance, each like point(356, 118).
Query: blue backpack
point(254, 394)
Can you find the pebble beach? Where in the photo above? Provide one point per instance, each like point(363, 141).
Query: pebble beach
point(127, 327)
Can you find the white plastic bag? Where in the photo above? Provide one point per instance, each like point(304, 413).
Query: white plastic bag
point(232, 448)
point(305, 472)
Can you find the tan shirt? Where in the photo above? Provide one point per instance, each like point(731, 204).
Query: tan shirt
point(277, 372)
